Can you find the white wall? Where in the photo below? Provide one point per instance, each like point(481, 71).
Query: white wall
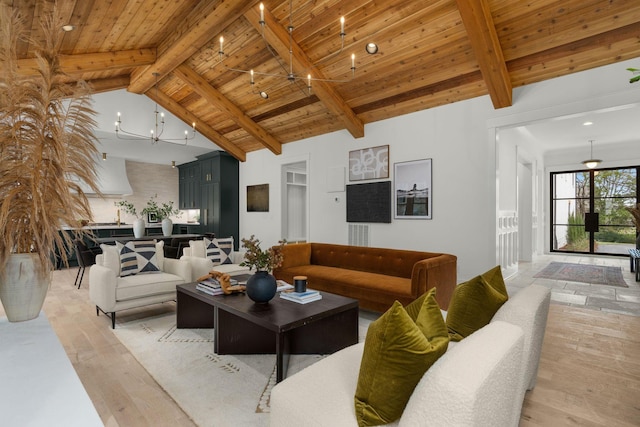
point(460, 138)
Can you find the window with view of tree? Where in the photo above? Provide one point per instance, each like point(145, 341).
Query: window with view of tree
point(588, 210)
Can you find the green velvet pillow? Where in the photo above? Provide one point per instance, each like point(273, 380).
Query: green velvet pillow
point(474, 303)
point(413, 308)
point(397, 353)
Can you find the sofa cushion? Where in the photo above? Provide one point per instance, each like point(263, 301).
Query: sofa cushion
point(138, 256)
point(219, 250)
point(474, 303)
point(296, 254)
point(144, 285)
point(397, 353)
point(357, 283)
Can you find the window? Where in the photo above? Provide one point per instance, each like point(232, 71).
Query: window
point(588, 212)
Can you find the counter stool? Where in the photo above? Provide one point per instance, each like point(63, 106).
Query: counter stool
point(86, 257)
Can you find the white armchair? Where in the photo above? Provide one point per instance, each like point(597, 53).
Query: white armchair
point(195, 255)
point(111, 292)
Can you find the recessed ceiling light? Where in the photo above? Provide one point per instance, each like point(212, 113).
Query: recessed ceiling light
point(371, 48)
point(587, 123)
point(264, 94)
point(68, 28)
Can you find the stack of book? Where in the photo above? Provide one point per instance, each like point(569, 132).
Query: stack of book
point(212, 287)
point(301, 297)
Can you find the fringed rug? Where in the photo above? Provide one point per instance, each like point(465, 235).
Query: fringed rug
point(214, 390)
point(592, 274)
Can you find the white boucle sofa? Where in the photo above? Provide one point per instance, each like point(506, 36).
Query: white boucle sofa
point(480, 381)
point(111, 293)
point(195, 255)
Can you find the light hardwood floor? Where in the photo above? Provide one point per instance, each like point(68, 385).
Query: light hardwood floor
point(589, 371)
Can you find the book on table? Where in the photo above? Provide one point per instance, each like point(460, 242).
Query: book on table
point(283, 286)
point(301, 297)
point(208, 289)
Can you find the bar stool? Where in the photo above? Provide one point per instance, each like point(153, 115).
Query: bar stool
point(86, 257)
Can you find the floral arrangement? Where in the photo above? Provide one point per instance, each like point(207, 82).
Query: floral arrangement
point(163, 211)
point(259, 260)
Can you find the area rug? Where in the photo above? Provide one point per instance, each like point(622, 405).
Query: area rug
point(214, 390)
point(593, 274)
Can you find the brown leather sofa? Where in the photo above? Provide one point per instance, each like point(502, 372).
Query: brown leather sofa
point(374, 276)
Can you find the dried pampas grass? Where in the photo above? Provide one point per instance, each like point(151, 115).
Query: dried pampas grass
point(46, 148)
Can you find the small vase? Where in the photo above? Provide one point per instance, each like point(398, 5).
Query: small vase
point(138, 228)
point(22, 290)
point(167, 227)
point(261, 287)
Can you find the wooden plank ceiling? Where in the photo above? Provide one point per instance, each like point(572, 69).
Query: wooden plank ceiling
point(431, 52)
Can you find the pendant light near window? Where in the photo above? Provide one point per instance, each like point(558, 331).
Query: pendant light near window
point(591, 163)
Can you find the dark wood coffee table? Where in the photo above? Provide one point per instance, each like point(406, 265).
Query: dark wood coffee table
point(281, 327)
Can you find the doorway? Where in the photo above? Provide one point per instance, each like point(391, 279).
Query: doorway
point(295, 202)
point(588, 212)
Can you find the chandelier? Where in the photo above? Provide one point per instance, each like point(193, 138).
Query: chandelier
point(157, 132)
point(289, 74)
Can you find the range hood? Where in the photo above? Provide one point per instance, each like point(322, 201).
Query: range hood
point(112, 178)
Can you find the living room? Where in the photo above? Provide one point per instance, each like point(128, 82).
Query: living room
point(476, 153)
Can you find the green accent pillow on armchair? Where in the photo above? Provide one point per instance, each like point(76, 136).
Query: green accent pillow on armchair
point(397, 353)
point(474, 303)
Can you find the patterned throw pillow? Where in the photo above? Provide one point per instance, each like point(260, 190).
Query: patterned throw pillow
point(219, 250)
point(137, 256)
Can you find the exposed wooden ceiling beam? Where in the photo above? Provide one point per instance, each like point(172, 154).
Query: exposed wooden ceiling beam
point(188, 117)
point(477, 20)
point(109, 84)
point(202, 87)
point(94, 62)
point(278, 37)
point(201, 24)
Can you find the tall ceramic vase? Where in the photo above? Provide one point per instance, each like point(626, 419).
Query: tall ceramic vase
point(167, 227)
point(261, 287)
point(22, 290)
point(138, 228)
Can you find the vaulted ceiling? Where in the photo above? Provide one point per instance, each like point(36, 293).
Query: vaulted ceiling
point(431, 52)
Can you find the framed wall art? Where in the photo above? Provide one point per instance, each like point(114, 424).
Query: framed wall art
point(258, 198)
point(413, 192)
point(369, 163)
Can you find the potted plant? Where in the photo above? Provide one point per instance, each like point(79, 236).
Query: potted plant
point(635, 217)
point(261, 286)
point(47, 146)
point(138, 223)
point(162, 212)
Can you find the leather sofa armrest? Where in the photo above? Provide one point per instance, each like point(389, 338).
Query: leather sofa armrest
point(179, 267)
point(102, 287)
point(438, 272)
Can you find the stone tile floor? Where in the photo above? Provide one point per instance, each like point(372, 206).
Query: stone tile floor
point(612, 299)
